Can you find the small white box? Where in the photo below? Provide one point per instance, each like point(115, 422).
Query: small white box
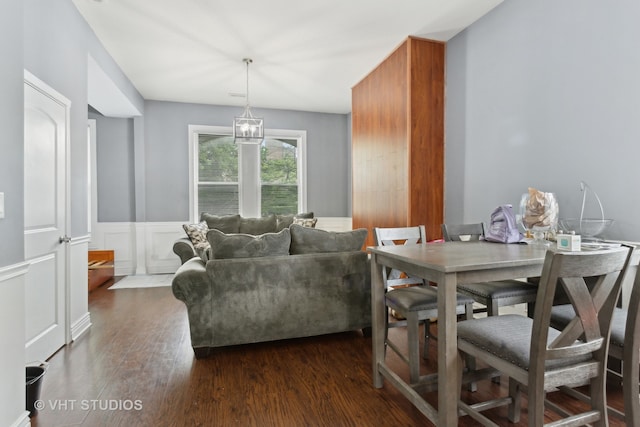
point(568, 242)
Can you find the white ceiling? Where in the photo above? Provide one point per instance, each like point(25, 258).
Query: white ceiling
point(306, 55)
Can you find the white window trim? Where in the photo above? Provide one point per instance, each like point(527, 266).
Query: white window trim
point(195, 130)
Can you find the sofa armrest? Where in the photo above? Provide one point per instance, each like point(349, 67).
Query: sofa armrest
point(184, 249)
point(191, 285)
point(190, 282)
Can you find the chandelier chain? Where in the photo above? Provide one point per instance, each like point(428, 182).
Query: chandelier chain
point(247, 61)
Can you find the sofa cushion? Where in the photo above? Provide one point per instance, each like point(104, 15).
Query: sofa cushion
point(225, 223)
point(305, 240)
point(197, 233)
point(258, 226)
point(224, 246)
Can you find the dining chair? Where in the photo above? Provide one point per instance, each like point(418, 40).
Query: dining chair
point(411, 299)
point(624, 350)
point(490, 294)
point(541, 358)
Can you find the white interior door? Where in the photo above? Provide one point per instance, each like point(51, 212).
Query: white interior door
point(46, 123)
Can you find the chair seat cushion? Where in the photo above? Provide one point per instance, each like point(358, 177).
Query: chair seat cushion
point(561, 315)
point(419, 298)
point(502, 289)
point(508, 337)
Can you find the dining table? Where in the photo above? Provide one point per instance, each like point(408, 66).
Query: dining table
point(443, 264)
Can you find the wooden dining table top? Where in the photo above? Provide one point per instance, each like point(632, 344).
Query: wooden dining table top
point(449, 257)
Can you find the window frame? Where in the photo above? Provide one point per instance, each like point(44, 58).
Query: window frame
point(248, 158)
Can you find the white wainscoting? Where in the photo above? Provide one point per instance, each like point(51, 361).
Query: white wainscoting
point(12, 358)
point(139, 248)
point(147, 248)
point(334, 223)
point(159, 239)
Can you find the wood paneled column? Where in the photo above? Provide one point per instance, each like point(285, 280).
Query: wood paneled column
point(398, 140)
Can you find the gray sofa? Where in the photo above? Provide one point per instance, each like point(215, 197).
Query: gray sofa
point(298, 282)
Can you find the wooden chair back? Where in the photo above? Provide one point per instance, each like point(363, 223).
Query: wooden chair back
point(399, 236)
point(586, 336)
point(631, 356)
point(462, 232)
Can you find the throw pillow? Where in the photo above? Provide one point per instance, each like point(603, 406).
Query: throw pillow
point(305, 240)
point(306, 222)
point(258, 226)
point(226, 223)
point(284, 221)
point(197, 233)
point(224, 246)
point(203, 250)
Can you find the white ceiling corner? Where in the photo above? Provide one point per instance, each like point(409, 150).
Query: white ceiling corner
point(306, 55)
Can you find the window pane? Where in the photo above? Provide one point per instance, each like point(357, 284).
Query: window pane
point(217, 175)
point(279, 176)
point(217, 159)
point(218, 199)
point(279, 199)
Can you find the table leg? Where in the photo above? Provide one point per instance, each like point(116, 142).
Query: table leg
point(447, 351)
point(378, 311)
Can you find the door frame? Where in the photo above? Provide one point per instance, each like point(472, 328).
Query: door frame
point(45, 89)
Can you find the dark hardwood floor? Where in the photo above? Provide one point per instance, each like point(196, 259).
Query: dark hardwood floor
point(135, 367)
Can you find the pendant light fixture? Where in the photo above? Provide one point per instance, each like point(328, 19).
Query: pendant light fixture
point(246, 128)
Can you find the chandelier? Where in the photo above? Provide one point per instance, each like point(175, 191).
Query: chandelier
point(246, 128)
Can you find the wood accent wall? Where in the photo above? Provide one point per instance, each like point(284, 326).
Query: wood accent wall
point(398, 140)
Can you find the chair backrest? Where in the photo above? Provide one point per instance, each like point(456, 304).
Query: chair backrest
point(399, 236)
point(586, 336)
point(462, 232)
point(631, 355)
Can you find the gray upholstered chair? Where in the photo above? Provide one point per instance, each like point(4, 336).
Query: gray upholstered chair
point(535, 355)
point(624, 349)
point(411, 299)
point(491, 294)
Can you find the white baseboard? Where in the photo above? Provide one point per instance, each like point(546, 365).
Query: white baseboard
point(81, 326)
point(22, 421)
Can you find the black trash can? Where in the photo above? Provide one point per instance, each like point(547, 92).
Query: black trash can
point(34, 383)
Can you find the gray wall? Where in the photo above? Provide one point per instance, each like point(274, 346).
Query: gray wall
point(11, 123)
point(167, 154)
point(546, 94)
point(57, 43)
point(115, 179)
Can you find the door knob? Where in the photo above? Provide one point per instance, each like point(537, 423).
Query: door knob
point(64, 239)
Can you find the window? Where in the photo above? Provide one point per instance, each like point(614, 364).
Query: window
point(218, 187)
point(250, 179)
point(279, 176)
